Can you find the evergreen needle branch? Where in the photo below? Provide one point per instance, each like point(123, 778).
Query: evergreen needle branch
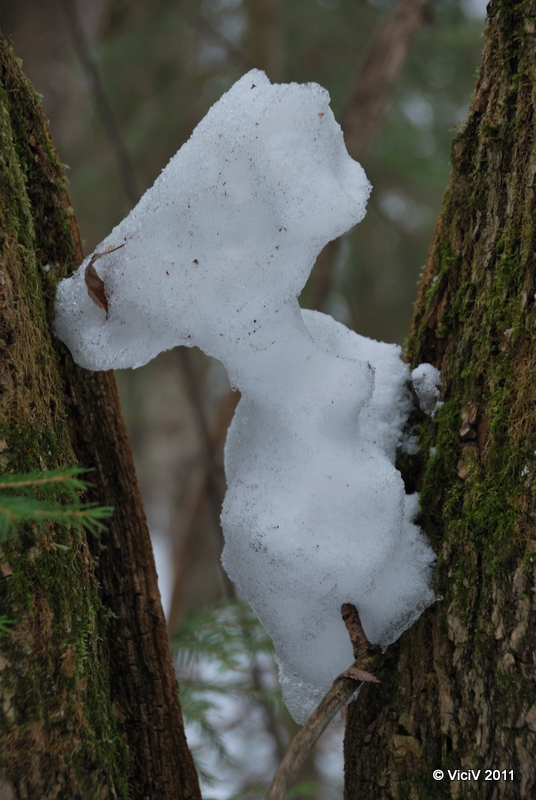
point(60, 489)
point(13, 484)
point(17, 510)
point(60, 475)
point(344, 686)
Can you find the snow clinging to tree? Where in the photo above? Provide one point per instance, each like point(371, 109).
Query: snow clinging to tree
point(215, 255)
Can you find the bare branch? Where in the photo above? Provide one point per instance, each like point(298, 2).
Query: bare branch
point(344, 686)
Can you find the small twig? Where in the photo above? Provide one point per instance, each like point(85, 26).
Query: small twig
point(361, 645)
point(344, 686)
point(302, 744)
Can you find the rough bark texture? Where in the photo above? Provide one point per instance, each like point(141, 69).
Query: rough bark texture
point(458, 690)
point(89, 704)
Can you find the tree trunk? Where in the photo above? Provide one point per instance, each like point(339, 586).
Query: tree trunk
point(89, 698)
point(458, 690)
point(263, 37)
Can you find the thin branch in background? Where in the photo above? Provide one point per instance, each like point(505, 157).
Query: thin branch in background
point(374, 87)
point(368, 105)
point(208, 446)
point(367, 657)
point(211, 490)
point(234, 53)
point(272, 725)
point(100, 99)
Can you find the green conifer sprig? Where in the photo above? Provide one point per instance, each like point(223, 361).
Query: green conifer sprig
point(48, 495)
point(5, 625)
point(226, 639)
point(223, 634)
point(58, 501)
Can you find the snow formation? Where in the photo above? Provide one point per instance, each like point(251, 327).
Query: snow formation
point(214, 255)
point(426, 382)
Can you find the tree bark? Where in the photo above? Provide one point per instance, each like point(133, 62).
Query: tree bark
point(458, 690)
point(89, 707)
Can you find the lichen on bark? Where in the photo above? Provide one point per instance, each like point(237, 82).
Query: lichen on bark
point(459, 689)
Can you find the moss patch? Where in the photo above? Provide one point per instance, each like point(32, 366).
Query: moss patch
point(475, 319)
point(58, 732)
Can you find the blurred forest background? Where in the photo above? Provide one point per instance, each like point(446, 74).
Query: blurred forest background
point(124, 82)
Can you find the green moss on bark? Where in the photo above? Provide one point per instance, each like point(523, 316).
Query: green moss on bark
point(465, 672)
point(58, 731)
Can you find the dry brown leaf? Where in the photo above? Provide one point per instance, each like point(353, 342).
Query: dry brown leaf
point(94, 283)
point(95, 287)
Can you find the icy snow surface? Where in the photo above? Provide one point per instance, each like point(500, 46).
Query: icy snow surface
point(426, 382)
point(215, 255)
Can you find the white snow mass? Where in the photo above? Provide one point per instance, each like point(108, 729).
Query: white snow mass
point(426, 382)
point(215, 255)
